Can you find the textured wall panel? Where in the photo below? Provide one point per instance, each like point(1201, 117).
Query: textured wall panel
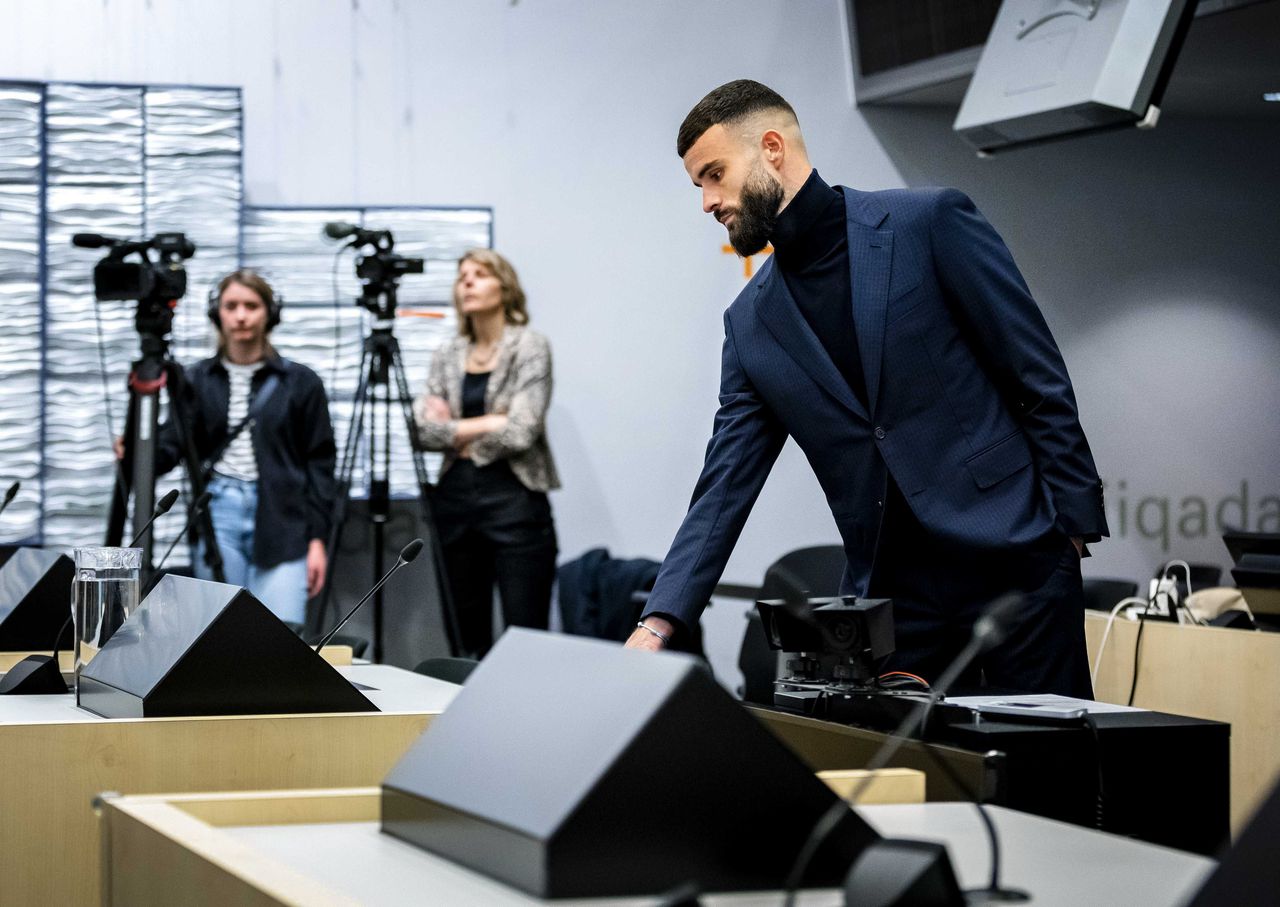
point(20, 303)
point(193, 186)
point(287, 245)
point(125, 162)
point(94, 142)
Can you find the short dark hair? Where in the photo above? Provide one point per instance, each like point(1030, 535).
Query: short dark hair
point(731, 101)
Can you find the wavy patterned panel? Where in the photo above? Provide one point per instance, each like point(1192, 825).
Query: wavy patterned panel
point(20, 303)
point(94, 142)
point(193, 186)
point(125, 162)
point(287, 245)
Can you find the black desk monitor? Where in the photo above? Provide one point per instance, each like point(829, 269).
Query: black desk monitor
point(1257, 568)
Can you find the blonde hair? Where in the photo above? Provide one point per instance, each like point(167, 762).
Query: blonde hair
point(513, 300)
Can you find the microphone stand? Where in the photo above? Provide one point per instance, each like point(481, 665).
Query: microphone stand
point(988, 631)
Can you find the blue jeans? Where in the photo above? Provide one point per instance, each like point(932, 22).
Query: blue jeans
point(282, 588)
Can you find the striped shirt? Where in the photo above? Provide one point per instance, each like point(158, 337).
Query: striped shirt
point(238, 460)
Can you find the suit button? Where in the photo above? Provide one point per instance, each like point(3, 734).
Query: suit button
point(879, 433)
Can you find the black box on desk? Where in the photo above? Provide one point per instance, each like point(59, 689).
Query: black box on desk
point(569, 767)
point(201, 648)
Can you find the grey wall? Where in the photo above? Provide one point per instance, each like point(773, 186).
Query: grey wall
point(1153, 255)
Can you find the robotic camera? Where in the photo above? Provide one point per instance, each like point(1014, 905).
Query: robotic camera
point(378, 270)
point(836, 648)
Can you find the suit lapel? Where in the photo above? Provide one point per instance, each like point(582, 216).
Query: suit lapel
point(782, 317)
point(870, 259)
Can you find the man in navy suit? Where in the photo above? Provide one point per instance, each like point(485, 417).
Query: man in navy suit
point(892, 336)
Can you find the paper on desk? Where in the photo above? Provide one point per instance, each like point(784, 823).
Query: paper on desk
point(1041, 699)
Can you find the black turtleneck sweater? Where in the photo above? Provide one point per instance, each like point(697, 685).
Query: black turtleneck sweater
point(811, 252)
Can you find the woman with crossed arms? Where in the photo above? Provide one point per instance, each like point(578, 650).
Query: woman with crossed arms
point(485, 407)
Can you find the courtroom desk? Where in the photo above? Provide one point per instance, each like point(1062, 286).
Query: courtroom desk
point(1208, 672)
point(1149, 763)
point(55, 758)
point(324, 847)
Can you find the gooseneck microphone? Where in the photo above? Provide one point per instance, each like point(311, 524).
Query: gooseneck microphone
point(10, 495)
point(407, 554)
point(989, 630)
point(162, 507)
point(192, 512)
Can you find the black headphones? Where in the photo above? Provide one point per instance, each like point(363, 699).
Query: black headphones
point(274, 301)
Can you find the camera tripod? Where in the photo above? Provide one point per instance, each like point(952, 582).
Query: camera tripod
point(136, 473)
point(380, 365)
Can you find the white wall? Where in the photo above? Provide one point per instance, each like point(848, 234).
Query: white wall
point(1153, 255)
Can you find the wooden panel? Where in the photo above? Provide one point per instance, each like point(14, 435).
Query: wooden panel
point(825, 746)
point(888, 785)
point(52, 771)
point(159, 855)
point(1203, 672)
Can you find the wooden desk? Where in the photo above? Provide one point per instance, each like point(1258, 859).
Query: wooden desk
point(1204, 672)
point(55, 758)
point(324, 847)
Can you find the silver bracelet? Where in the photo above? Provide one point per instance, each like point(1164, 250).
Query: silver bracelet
point(666, 640)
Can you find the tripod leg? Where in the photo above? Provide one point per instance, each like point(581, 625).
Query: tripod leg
point(448, 610)
point(124, 470)
point(175, 380)
point(342, 494)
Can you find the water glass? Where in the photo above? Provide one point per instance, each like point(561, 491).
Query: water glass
point(104, 593)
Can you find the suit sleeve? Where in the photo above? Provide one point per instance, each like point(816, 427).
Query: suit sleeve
point(745, 442)
point(434, 435)
point(989, 297)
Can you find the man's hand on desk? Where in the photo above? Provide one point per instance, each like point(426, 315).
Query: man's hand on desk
point(648, 639)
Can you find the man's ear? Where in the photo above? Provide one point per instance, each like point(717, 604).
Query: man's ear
point(773, 147)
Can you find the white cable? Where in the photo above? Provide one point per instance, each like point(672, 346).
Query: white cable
point(1123, 603)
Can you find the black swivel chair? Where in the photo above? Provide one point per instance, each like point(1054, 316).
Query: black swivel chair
point(820, 569)
point(451, 670)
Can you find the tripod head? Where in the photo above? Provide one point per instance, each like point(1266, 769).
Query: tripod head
point(379, 270)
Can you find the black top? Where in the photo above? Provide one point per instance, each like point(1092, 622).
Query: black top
point(474, 386)
point(811, 252)
point(292, 441)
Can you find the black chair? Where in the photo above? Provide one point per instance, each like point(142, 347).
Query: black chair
point(451, 670)
point(820, 570)
point(1101, 593)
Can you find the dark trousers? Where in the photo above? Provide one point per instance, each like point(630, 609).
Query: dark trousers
point(494, 530)
point(939, 590)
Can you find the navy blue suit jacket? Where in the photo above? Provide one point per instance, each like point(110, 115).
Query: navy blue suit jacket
point(970, 408)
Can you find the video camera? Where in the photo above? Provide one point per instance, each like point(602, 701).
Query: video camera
point(163, 279)
point(378, 271)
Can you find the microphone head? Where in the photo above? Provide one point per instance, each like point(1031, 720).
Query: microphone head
point(338, 229)
point(993, 626)
point(13, 490)
point(90, 240)
point(410, 551)
point(167, 502)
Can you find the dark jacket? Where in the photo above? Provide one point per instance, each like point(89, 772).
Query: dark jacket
point(292, 441)
point(969, 406)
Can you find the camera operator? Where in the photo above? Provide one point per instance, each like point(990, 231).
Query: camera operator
point(261, 428)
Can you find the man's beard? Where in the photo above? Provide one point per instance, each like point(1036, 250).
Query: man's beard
point(756, 213)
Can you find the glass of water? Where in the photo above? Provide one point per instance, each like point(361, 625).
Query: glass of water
point(103, 595)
